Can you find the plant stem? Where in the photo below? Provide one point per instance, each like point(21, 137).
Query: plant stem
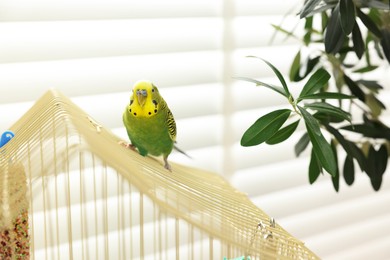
point(294, 105)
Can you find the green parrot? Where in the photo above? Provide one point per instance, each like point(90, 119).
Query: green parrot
point(149, 122)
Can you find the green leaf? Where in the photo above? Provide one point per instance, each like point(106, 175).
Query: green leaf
point(277, 73)
point(370, 128)
point(349, 147)
point(374, 123)
point(265, 127)
point(295, 66)
point(308, 29)
point(308, 8)
point(326, 118)
point(302, 144)
point(372, 85)
point(378, 50)
point(277, 89)
point(313, 7)
point(310, 64)
point(375, 105)
point(315, 82)
point(367, 53)
point(283, 133)
point(349, 170)
point(347, 15)
point(373, 131)
point(377, 163)
point(314, 167)
point(334, 36)
point(382, 157)
point(311, 121)
point(367, 68)
point(354, 88)
point(358, 43)
point(324, 20)
point(385, 43)
point(280, 29)
point(369, 23)
point(377, 16)
point(336, 178)
point(329, 109)
point(321, 147)
point(376, 4)
point(326, 95)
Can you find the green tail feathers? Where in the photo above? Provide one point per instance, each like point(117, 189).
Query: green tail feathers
point(181, 151)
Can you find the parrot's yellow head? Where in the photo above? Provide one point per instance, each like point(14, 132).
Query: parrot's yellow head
point(145, 99)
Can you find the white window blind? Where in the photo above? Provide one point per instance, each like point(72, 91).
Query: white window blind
point(93, 51)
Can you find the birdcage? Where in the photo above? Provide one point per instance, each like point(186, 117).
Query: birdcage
point(70, 191)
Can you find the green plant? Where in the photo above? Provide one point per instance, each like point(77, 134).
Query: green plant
point(326, 105)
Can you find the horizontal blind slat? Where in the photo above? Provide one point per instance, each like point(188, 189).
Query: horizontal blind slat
point(351, 237)
point(358, 209)
point(281, 7)
point(43, 10)
point(256, 31)
point(40, 41)
point(377, 247)
point(30, 80)
point(307, 197)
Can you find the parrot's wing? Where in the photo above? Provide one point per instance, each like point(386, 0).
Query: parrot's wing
point(171, 125)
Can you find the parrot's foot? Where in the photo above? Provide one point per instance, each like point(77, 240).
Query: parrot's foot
point(167, 165)
point(127, 145)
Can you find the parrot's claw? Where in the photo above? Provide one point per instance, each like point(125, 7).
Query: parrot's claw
point(127, 145)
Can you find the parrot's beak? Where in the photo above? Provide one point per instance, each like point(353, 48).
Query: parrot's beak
point(141, 99)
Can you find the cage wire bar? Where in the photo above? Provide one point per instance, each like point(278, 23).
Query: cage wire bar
point(70, 191)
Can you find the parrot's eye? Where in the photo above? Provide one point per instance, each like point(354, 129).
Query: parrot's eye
point(152, 89)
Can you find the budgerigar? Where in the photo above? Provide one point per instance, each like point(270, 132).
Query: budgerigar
point(149, 122)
